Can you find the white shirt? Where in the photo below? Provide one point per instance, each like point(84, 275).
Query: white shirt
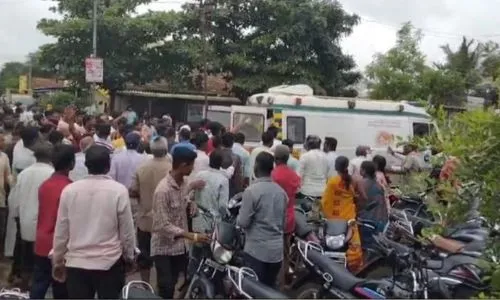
point(313, 172)
point(331, 156)
point(80, 170)
point(23, 198)
point(355, 165)
point(253, 156)
point(4, 171)
point(26, 117)
point(276, 142)
point(201, 163)
point(22, 157)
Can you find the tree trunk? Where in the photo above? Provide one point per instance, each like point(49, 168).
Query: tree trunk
point(112, 96)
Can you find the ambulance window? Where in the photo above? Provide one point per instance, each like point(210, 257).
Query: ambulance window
point(422, 129)
point(251, 125)
point(296, 129)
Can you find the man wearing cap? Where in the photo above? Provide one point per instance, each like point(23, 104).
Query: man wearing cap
point(124, 164)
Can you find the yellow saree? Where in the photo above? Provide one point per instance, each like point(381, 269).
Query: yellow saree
point(338, 203)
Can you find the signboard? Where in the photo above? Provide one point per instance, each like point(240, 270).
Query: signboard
point(23, 84)
point(94, 70)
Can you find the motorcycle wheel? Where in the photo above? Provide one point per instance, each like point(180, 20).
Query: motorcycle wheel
point(309, 290)
point(197, 291)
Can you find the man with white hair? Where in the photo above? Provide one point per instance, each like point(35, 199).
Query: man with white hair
point(144, 183)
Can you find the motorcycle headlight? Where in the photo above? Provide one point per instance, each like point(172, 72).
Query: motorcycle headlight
point(335, 241)
point(221, 254)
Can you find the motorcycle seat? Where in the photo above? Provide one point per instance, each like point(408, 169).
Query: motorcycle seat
point(259, 290)
point(470, 235)
point(342, 278)
point(411, 199)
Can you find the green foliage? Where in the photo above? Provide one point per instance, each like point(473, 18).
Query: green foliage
point(397, 73)
point(443, 87)
point(401, 74)
point(465, 60)
point(135, 48)
point(61, 100)
point(258, 44)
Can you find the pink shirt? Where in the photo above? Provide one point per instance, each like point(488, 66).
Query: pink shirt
point(94, 225)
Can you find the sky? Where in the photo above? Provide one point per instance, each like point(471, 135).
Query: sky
point(441, 21)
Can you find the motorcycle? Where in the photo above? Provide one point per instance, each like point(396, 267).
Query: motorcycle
point(243, 282)
point(455, 276)
point(206, 282)
point(330, 280)
point(333, 235)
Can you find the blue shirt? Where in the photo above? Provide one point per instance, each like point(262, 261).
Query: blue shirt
point(186, 144)
point(293, 164)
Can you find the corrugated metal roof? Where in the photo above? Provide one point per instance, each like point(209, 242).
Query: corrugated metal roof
point(229, 100)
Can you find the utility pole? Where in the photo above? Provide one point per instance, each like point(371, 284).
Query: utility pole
point(205, 9)
point(94, 46)
point(30, 76)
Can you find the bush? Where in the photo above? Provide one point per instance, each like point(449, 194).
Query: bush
point(60, 100)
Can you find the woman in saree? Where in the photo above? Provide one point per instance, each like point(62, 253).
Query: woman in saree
point(338, 203)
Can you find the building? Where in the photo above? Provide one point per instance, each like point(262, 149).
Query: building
point(157, 99)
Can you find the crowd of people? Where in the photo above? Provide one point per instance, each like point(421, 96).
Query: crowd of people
point(81, 194)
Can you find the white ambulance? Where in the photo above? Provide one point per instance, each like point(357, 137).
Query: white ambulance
point(353, 122)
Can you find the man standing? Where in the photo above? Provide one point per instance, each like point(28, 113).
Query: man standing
point(144, 184)
point(267, 143)
point(5, 178)
point(355, 163)
point(101, 137)
point(244, 155)
point(80, 170)
point(229, 159)
point(215, 194)
point(170, 221)
point(24, 203)
point(184, 141)
point(330, 148)
point(48, 196)
point(262, 216)
point(125, 163)
point(202, 161)
point(289, 181)
point(94, 232)
point(313, 168)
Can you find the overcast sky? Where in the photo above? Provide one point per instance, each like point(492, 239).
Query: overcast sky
point(442, 22)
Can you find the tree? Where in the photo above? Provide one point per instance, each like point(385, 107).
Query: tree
point(443, 87)
point(9, 76)
point(135, 49)
point(396, 75)
point(258, 44)
point(466, 61)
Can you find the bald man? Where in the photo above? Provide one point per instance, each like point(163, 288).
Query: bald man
point(80, 170)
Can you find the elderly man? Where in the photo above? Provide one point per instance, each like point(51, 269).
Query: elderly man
point(125, 163)
point(144, 183)
point(80, 170)
point(23, 201)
